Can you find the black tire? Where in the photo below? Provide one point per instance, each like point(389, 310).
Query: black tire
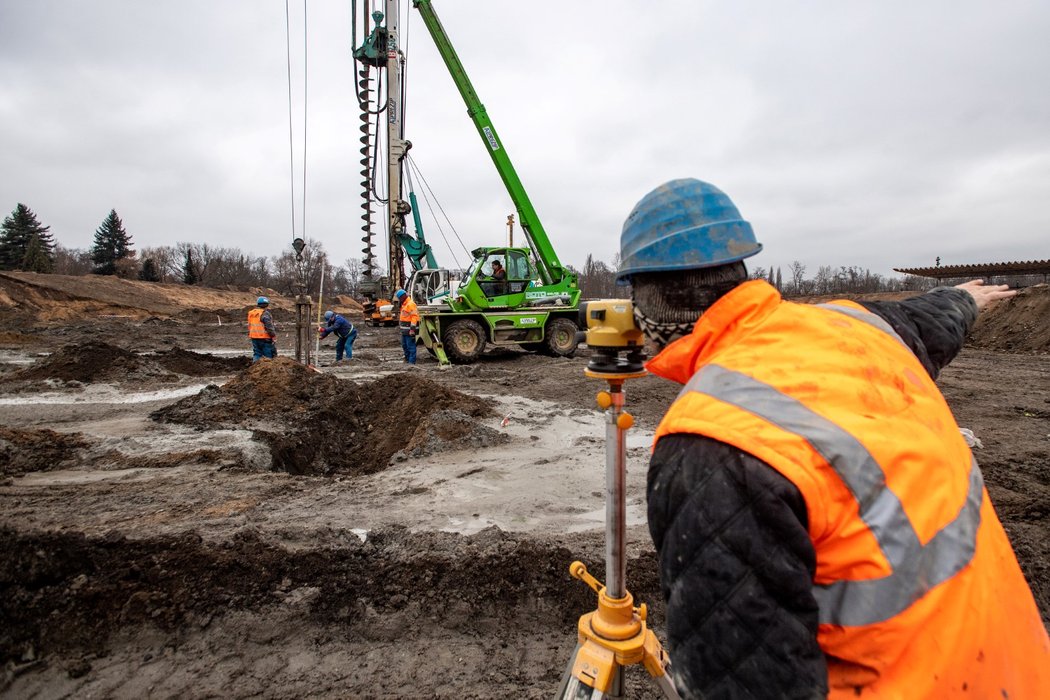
point(561, 338)
point(464, 341)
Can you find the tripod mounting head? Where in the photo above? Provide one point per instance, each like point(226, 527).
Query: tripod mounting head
point(615, 340)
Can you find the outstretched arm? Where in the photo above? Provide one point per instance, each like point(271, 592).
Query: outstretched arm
point(935, 325)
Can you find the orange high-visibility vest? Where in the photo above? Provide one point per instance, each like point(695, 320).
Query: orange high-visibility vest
point(919, 591)
point(409, 314)
point(256, 329)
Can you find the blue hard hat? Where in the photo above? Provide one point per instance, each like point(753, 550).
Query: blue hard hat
point(262, 301)
point(328, 315)
point(681, 225)
point(400, 293)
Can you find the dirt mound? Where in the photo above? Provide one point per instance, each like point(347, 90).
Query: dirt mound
point(60, 298)
point(32, 450)
point(87, 362)
point(196, 364)
point(1020, 324)
point(97, 361)
point(347, 305)
point(318, 424)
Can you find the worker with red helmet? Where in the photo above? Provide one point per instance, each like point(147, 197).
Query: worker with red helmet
point(822, 527)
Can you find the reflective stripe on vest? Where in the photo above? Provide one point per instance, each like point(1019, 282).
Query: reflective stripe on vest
point(916, 568)
point(865, 317)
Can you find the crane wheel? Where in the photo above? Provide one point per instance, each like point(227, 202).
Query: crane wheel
point(561, 337)
point(464, 341)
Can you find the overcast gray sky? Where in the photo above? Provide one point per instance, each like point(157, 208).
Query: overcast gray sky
point(877, 134)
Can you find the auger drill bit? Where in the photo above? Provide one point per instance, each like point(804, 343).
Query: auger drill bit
point(364, 94)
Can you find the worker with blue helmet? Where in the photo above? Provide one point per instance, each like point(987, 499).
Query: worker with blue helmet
point(344, 331)
point(689, 231)
point(790, 477)
point(261, 330)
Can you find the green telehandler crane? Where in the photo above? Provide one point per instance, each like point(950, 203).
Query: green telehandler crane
point(533, 301)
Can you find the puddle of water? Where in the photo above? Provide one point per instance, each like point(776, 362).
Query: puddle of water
point(595, 519)
point(521, 414)
point(20, 357)
point(182, 439)
point(103, 394)
point(550, 477)
point(70, 476)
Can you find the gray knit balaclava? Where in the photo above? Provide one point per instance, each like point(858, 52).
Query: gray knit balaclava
point(668, 304)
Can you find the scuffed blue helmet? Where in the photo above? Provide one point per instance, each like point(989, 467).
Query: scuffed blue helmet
point(400, 293)
point(262, 301)
point(328, 315)
point(681, 225)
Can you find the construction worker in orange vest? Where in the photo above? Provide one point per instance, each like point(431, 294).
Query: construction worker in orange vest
point(261, 330)
point(408, 322)
point(822, 527)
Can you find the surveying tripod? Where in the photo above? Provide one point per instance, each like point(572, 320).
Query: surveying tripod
point(614, 635)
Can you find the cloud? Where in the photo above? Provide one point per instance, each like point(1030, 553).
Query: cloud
point(880, 135)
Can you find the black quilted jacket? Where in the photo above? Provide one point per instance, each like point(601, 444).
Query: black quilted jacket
point(736, 562)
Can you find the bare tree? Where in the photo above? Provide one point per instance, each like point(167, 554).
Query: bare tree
point(824, 281)
point(289, 271)
point(597, 280)
point(71, 261)
point(798, 276)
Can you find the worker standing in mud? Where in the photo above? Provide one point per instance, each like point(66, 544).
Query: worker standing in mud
point(822, 527)
point(344, 331)
point(261, 330)
point(408, 322)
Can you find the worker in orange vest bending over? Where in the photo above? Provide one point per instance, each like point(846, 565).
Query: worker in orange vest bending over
point(408, 322)
point(261, 330)
point(822, 527)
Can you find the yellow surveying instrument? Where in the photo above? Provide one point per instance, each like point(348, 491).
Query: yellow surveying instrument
point(614, 635)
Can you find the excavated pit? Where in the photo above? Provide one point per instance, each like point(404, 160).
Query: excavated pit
point(74, 596)
point(316, 424)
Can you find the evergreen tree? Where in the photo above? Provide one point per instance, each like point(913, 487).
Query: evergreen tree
point(37, 258)
point(149, 272)
point(112, 243)
point(189, 270)
point(22, 235)
point(780, 281)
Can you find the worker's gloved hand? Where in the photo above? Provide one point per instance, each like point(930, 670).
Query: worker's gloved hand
point(411, 331)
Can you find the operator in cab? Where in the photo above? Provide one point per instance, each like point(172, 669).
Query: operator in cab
point(498, 273)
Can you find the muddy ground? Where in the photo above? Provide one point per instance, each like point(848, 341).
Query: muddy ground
point(174, 522)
